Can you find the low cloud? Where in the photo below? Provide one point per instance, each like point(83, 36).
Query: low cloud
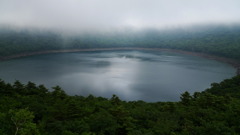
point(94, 15)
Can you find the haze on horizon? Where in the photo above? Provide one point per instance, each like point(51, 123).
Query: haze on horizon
point(107, 15)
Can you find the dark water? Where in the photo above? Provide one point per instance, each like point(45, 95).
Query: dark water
point(132, 75)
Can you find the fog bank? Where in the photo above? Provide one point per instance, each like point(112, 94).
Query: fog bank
point(107, 15)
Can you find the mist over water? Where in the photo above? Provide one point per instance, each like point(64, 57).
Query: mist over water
point(132, 75)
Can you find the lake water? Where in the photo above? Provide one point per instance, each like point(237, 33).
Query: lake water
point(131, 75)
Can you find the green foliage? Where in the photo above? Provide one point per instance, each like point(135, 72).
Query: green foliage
point(22, 121)
point(214, 111)
point(186, 98)
point(228, 87)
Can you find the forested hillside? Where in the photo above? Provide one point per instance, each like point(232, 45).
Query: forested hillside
point(27, 109)
point(217, 40)
point(139, 50)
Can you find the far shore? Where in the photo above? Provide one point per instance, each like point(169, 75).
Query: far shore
point(234, 63)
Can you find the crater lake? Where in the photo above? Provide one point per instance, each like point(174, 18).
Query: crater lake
point(131, 75)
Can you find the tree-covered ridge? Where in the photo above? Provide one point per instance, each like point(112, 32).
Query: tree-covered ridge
point(28, 109)
point(217, 40)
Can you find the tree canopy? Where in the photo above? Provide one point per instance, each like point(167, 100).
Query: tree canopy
point(31, 109)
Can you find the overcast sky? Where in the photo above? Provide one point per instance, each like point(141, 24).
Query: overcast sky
point(80, 15)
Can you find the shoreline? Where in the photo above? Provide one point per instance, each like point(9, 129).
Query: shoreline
point(230, 61)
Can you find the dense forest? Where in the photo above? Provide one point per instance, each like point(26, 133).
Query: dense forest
point(216, 40)
point(27, 109)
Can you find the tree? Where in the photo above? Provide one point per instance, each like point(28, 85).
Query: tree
point(58, 92)
point(185, 98)
point(22, 120)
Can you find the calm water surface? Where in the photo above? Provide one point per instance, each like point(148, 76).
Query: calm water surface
point(132, 75)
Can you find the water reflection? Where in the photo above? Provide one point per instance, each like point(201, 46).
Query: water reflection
point(132, 75)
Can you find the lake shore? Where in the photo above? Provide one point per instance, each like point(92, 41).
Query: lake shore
point(232, 62)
